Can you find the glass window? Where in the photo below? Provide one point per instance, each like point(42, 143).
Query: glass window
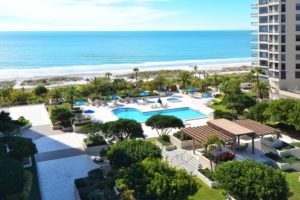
point(298, 6)
point(298, 57)
point(297, 75)
point(298, 38)
point(297, 66)
point(298, 27)
point(283, 75)
point(283, 66)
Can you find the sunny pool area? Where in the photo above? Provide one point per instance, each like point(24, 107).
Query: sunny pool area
point(185, 113)
point(174, 100)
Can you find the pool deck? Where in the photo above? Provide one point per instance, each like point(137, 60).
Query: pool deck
point(104, 113)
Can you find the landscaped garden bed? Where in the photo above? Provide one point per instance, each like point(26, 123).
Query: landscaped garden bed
point(284, 163)
point(181, 141)
point(163, 142)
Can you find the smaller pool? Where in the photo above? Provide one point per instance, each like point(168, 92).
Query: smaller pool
point(185, 113)
point(208, 95)
point(174, 100)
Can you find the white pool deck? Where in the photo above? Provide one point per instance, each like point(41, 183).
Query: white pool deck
point(105, 114)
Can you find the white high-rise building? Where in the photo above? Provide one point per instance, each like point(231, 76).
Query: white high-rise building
point(278, 45)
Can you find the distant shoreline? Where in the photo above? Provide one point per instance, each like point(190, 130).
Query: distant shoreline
point(120, 69)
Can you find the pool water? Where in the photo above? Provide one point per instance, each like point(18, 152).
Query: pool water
point(135, 114)
point(174, 100)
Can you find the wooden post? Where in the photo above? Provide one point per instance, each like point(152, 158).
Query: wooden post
point(253, 136)
point(194, 146)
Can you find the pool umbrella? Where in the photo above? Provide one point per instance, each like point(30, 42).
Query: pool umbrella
point(144, 94)
point(159, 101)
point(88, 112)
point(80, 103)
point(114, 97)
point(191, 90)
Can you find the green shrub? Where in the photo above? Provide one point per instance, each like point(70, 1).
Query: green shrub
point(181, 136)
point(296, 144)
point(91, 128)
point(125, 153)
point(219, 114)
point(207, 173)
point(94, 140)
point(12, 177)
point(20, 148)
point(164, 140)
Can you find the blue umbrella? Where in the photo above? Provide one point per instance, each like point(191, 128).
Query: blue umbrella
point(114, 97)
point(159, 101)
point(144, 94)
point(191, 90)
point(80, 103)
point(88, 112)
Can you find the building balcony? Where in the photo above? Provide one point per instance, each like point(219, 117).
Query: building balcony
point(274, 2)
point(254, 6)
point(254, 32)
point(254, 15)
point(255, 63)
point(254, 48)
point(254, 23)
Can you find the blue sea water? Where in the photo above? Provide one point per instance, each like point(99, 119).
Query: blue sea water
point(106, 50)
point(181, 113)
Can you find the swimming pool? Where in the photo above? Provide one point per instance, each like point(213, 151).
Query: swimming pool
point(174, 100)
point(182, 113)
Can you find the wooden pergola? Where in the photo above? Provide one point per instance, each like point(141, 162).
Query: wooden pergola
point(229, 131)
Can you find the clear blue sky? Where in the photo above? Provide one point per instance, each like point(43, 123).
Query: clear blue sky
point(125, 14)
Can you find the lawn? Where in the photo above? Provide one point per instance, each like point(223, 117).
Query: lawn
point(207, 193)
point(294, 183)
point(219, 106)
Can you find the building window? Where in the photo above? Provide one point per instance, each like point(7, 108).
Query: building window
point(298, 17)
point(298, 57)
point(283, 38)
point(297, 47)
point(283, 18)
point(283, 57)
point(283, 66)
point(282, 48)
point(297, 75)
point(298, 38)
point(298, 6)
point(283, 75)
point(297, 66)
point(283, 28)
point(283, 8)
point(298, 27)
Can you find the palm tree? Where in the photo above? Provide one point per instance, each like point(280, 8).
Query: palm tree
point(147, 76)
point(108, 75)
point(257, 72)
point(195, 70)
point(184, 76)
point(136, 70)
point(71, 92)
point(5, 93)
point(210, 145)
point(96, 83)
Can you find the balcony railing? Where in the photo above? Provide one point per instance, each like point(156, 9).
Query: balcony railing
point(254, 15)
point(254, 23)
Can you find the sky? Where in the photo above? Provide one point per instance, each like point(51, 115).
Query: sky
point(125, 15)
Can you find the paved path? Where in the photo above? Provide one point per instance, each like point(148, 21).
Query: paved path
point(52, 155)
point(37, 132)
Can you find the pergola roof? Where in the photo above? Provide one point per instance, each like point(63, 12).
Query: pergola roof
point(229, 127)
point(201, 133)
point(258, 128)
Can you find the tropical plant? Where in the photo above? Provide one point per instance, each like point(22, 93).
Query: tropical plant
point(159, 81)
point(164, 124)
point(219, 114)
point(108, 75)
point(91, 128)
point(136, 71)
point(240, 180)
point(257, 112)
point(71, 92)
point(159, 181)
point(7, 125)
point(211, 145)
point(147, 76)
point(127, 152)
point(231, 87)
point(62, 114)
point(257, 72)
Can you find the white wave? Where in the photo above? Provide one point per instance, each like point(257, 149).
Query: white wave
point(207, 64)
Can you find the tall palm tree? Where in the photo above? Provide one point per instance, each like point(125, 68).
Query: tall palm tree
point(136, 70)
point(71, 92)
point(257, 72)
point(108, 75)
point(195, 70)
point(147, 76)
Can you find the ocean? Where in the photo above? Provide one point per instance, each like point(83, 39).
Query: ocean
point(83, 52)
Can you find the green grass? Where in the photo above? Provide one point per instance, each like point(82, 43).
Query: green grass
point(294, 184)
point(207, 193)
point(219, 106)
point(35, 189)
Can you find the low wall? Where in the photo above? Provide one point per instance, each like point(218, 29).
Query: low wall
point(205, 162)
point(209, 183)
point(76, 129)
point(286, 166)
point(167, 148)
point(181, 144)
